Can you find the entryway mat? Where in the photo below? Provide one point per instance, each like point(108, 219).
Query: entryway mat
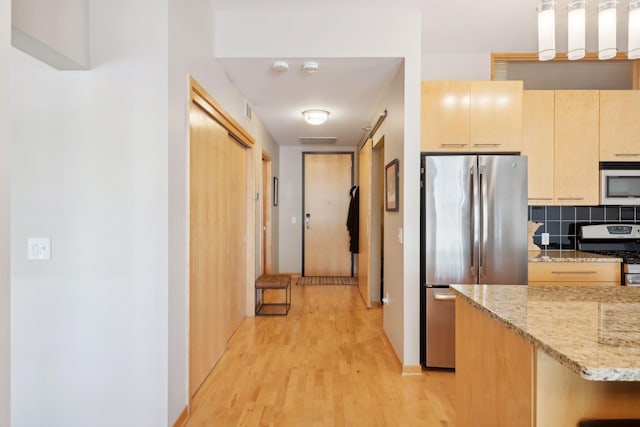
point(327, 280)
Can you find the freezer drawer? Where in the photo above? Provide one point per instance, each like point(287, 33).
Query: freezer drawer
point(441, 331)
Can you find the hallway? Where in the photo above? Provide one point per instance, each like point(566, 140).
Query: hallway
point(325, 364)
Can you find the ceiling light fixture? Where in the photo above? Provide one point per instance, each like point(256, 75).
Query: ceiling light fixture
point(607, 19)
point(576, 29)
point(547, 30)
point(576, 25)
point(634, 30)
point(315, 117)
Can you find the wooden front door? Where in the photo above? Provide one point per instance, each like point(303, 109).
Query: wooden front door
point(328, 177)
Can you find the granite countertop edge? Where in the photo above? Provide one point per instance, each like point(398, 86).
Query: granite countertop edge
point(591, 374)
point(569, 256)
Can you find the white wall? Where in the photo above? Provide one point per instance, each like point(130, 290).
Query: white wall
point(278, 33)
point(472, 66)
point(392, 129)
point(5, 138)
point(89, 170)
point(55, 32)
point(290, 203)
point(191, 49)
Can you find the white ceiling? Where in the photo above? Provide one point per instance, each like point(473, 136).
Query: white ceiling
point(351, 89)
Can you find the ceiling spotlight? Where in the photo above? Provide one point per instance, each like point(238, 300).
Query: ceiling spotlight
point(315, 117)
point(280, 66)
point(310, 66)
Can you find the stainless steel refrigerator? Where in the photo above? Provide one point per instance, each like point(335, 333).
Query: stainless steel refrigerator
point(474, 231)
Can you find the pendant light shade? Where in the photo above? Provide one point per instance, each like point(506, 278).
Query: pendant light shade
point(315, 117)
point(576, 29)
point(607, 19)
point(546, 30)
point(634, 30)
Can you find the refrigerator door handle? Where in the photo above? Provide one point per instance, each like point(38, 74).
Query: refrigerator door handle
point(472, 224)
point(482, 214)
point(444, 297)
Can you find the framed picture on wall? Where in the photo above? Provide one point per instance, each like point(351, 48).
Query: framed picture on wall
point(391, 186)
point(275, 191)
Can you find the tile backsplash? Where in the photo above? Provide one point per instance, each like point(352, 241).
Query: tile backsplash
point(559, 221)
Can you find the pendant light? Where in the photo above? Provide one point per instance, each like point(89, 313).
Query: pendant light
point(634, 30)
point(576, 29)
point(607, 19)
point(546, 30)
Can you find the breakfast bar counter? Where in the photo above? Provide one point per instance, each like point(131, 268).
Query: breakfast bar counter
point(546, 356)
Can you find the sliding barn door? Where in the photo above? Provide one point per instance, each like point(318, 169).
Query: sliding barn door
point(218, 231)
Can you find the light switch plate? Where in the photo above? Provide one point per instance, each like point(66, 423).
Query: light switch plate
point(39, 248)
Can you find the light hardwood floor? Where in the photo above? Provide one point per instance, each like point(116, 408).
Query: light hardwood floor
point(325, 364)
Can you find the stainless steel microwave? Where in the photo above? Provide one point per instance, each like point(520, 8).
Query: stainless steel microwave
point(620, 186)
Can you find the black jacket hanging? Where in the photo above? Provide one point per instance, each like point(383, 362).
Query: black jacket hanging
point(353, 220)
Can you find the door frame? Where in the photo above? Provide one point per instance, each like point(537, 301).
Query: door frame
point(266, 237)
point(302, 222)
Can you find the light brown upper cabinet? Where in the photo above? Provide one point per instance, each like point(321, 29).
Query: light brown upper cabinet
point(576, 147)
point(619, 125)
point(537, 143)
point(477, 116)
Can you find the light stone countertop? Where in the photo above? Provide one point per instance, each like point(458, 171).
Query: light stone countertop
point(569, 256)
point(593, 331)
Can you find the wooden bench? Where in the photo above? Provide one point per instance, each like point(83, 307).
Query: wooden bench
point(276, 282)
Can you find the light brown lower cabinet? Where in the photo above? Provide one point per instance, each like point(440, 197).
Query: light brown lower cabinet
point(575, 273)
point(504, 380)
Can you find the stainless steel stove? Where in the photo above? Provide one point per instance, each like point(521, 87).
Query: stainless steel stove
point(619, 240)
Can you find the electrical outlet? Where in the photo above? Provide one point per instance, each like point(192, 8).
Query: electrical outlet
point(545, 238)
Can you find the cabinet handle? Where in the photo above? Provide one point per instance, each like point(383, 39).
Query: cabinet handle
point(453, 145)
point(627, 154)
point(487, 145)
point(444, 297)
point(570, 198)
point(540, 198)
point(574, 272)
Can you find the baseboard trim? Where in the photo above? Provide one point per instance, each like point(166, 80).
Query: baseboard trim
point(404, 369)
point(182, 418)
point(411, 370)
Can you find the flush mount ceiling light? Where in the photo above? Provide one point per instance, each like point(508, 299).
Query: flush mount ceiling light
point(576, 25)
point(315, 117)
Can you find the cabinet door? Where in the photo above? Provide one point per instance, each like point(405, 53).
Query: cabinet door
point(537, 143)
point(445, 116)
point(496, 116)
point(619, 125)
point(576, 147)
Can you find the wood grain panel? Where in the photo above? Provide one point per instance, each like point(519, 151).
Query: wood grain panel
point(537, 143)
point(574, 272)
point(364, 256)
point(619, 125)
point(495, 116)
point(445, 116)
point(217, 247)
point(493, 372)
point(327, 184)
point(564, 398)
point(576, 148)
